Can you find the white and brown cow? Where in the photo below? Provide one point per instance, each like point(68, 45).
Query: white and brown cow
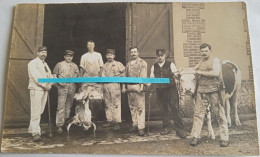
point(88, 93)
point(232, 81)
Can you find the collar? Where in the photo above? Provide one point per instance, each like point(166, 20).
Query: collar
point(161, 64)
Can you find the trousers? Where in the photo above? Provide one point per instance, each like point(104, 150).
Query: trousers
point(65, 101)
point(168, 100)
point(136, 103)
point(38, 100)
point(202, 101)
point(112, 97)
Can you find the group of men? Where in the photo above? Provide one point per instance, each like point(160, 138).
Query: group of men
point(91, 65)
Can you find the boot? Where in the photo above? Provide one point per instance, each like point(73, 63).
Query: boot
point(223, 143)
point(59, 130)
point(195, 141)
point(166, 131)
point(133, 128)
point(116, 127)
point(141, 132)
point(36, 138)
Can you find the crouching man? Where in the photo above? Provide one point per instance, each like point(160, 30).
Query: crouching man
point(38, 68)
point(112, 91)
point(166, 94)
point(66, 91)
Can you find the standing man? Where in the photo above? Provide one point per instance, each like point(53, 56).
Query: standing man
point(38, 68)
point(66, 91)
point(91, 63)
point(208, 92)
point(112, 91)
point(136, 67)
point(167, 94)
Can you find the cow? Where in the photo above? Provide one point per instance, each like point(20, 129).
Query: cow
point(232, 82)
point(88, 94)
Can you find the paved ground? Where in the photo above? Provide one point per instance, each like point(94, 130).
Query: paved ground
point(243, 141)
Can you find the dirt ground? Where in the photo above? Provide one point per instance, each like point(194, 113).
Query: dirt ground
point(243, 141)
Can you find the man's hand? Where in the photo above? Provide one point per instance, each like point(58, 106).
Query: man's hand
point(47, 87)
point(123, 90)
point(141, 88)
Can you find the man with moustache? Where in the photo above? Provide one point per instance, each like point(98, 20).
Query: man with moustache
point(209, 71)
point(66, 91)
point(167, 94)
point(38, 68)
point(112, 91)
point(136, 67)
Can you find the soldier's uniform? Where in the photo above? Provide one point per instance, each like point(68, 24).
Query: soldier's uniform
point(66, 91)
point(167, 94)
point(136, 101)
point(207, 93)
point(112, 91)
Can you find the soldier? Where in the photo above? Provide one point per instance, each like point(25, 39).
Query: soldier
point(66, 91)
point(136, 67)
point(38, 68)
point(112, 91)
point(208, 92)
point(167, 94)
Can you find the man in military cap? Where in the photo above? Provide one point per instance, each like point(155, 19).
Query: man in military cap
point(38, 68)
point(66, 91)
point(136, 67)
point(167, 94)
point(112, 91)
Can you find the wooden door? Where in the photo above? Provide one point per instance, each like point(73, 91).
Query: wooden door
point(150, 28)
point(27, 36)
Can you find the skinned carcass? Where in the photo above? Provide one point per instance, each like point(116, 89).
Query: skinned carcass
point(87, 94)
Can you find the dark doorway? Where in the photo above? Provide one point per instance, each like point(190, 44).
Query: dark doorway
point(70, 26)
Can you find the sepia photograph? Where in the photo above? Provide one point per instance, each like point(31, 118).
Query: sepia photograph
point(207, 107)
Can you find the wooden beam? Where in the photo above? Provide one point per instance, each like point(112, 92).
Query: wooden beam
point(19, 97)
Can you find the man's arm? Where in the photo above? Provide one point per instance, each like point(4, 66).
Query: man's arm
point(216, 69)
point(35, 74)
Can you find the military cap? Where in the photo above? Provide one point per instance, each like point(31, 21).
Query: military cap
point(69, 52)
point(112, 51)
point(160, 52)
point(42, 48)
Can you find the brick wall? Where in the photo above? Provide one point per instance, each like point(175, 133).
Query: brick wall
point(193, 25)
point(248, 49)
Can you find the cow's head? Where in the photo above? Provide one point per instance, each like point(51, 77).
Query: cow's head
point(187, 81)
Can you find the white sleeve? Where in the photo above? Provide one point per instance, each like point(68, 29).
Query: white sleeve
point(100, 61)
point(173, 68)
point(152, 72)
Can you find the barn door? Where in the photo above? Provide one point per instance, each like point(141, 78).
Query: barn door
point(27, 35)
point(150, 29)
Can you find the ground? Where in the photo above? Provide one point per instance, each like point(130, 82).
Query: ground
point(243, 141)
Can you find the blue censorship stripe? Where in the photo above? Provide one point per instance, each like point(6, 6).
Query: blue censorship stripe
point(104, 80)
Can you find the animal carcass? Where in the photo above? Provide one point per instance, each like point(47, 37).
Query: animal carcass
point(87, 94)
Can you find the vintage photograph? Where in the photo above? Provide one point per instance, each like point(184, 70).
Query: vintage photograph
point(203, 48)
